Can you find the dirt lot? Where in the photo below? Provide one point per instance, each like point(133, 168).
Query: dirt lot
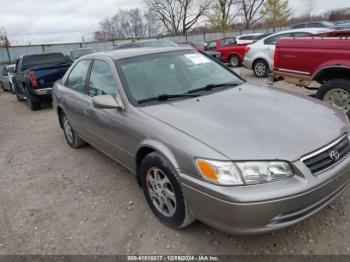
point(56, 200)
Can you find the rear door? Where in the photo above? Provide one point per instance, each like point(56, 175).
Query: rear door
point(76, 100)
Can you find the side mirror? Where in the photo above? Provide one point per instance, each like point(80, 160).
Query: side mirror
point(106, 102)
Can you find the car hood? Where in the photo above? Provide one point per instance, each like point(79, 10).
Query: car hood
point(252, 122)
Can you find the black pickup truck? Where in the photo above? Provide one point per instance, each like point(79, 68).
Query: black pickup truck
point(36, 74)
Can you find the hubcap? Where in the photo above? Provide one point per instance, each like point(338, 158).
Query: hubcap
point(234, 61)
point(339, 98)
point(260, 69)
point(67, 129)
point(161, 192)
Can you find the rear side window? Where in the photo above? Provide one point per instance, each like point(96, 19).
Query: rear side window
point(248, 37)
point(101, 80)
point(301, 34)
point(228, 41)
point(77, 78)
point(273, 39)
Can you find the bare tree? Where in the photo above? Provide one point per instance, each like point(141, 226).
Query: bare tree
point(178, 15)
point(124, 24)
point(250, 11)
point(310, 4)
point(153, 26)
point(221, 16)
point(4, 41)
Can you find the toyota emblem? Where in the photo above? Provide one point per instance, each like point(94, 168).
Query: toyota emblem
point(334, 155)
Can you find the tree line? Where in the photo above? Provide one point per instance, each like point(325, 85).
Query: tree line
point(180, 17)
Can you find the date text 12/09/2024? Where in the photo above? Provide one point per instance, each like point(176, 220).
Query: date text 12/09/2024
point(173, 258)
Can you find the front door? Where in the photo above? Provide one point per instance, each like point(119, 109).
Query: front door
point(106, 125)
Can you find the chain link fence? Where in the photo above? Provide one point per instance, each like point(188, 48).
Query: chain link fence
point(11, 54)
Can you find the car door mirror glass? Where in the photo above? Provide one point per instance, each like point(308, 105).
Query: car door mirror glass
point(106, 102)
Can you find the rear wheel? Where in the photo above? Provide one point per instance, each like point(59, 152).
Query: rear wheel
point(18, 96)
point(12, 89)
point(3, 87)
point(33, 101)
point(337, 93)
point(163, 192)
point(72, 138)
point(261, 69)
point(234, 61)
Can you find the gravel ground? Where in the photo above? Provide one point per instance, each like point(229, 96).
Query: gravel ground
point(56, 200)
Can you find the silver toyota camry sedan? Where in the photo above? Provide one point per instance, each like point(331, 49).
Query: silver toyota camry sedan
point(202, 142)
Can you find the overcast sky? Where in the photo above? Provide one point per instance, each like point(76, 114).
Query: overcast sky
point(54, 21)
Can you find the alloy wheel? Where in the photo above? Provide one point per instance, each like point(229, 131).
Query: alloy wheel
point(161, 192)
point(67, 129)
point(260, 69)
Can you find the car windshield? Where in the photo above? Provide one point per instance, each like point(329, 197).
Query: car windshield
point(172, 73)
point(81, 52)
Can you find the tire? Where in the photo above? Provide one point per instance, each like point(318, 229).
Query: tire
point(19, 98)
point(155, 165)
point(337, 93)
point(33, 101)
point(3, 87)
point(12, 89)
point(261, 68)
point(234, 61)
point(72, 138)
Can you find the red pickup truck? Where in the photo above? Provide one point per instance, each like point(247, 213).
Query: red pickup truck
point(231, 52)
point(325, 60)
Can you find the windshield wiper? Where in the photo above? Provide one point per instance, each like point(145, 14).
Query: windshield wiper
point(165, 97)
point(211, 86)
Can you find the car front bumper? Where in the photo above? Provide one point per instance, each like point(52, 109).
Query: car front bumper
point(265, 207)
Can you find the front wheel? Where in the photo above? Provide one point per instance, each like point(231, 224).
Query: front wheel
point(337, 93)
point(163, 192)
point(261, 69)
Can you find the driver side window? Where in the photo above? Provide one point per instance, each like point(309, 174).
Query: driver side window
point(101, 80)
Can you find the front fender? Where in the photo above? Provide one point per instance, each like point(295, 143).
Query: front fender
point(161, 148)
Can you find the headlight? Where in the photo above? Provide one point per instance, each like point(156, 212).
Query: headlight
point(263, 172)
point(240, 173)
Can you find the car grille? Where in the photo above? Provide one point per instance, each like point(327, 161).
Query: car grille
point(328, 156)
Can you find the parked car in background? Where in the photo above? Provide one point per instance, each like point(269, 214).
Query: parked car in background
point(74, 54)
point(200, 140)
point(231, 52)
point(201, 48)
point(259, 55)
point(343, 26)
point(146, 43)
point(36, 74)
point(322, 24)
point(324, 60)
point(6, 78)
point(250, 38)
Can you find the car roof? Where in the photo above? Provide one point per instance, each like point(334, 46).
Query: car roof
point(251, 34)
point(307, 30)
point(134, 52)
